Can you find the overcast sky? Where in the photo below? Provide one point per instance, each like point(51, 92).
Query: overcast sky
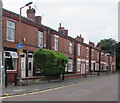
point(94, 19)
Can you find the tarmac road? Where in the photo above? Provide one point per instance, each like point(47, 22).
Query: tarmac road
point(100, 89)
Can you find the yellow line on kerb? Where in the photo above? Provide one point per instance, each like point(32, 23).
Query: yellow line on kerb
point(49, 89)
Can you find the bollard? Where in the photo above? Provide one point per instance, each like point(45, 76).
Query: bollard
point(15, 79)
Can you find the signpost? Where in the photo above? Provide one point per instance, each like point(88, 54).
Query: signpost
point(19, 47)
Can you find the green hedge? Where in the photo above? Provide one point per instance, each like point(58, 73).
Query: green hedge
point(51, 63)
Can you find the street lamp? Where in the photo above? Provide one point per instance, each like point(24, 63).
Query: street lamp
point(20, 39)
point(20, 19)
point(25, 6)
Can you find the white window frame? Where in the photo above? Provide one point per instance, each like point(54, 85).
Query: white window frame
point(87, 52)
point(70, 47)
point(87, 65)
point(14, 56)
point(66, 68)
point(56, 42)
point(78, 65)
point(92, 53)
point(98, 55)
point(92, 65)
point(70, 62)
point(110, 59)
point(79, 48)
point(10, 26)
point(40, 39)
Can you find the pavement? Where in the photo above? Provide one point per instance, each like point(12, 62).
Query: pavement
point(17, 90)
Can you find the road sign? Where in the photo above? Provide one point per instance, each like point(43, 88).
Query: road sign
point(20, 50)
point(19, 46)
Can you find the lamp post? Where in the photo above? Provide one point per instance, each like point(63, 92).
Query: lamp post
point(108, 65)
point(20, 39)
point(20, 18)
point(114, 62)
point(2, 80)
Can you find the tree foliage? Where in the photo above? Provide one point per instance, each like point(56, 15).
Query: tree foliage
point(117, 46)
point(50, 62)
point(107, 45)
point(118, 55)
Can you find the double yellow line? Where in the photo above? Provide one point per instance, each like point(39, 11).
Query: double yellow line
point(50, 89)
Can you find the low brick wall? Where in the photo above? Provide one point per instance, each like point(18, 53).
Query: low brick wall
point(71, 76)
point(40, 79)
point(31, 80)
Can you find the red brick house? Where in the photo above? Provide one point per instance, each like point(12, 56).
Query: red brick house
point(112, 63)
point(60, 41)
point(82, 57)
point(95, 57)
point(32, 36)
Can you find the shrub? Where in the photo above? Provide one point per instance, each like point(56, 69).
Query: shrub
point(49, 62)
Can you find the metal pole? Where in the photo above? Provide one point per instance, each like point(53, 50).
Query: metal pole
point(114, 61)
point(1, 52)
point(20, 79)
point(20, 40)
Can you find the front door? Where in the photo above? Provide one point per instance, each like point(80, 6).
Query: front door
point(30, 65)
point(23, 65)
point(83, 68)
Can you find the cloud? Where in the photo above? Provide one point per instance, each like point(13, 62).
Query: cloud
point(94, 20)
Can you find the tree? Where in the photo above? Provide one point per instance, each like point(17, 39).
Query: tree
point(117, 46)
point(107, 45)
point(51, 63)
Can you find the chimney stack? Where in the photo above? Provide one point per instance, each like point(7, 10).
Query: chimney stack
point(80, 38)
point(38, 19)
point(91, 43)
point(62, 30)
point(31, 13)
point(66, 32)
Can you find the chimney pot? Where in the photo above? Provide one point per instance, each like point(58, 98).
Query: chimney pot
point(60, 24)
point(31, 13)
point(29, 7)
point(91, 43)
point(80, 38)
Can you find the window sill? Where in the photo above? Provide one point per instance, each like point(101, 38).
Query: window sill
point(10, 40)
point(11, 71)
point(40, 46)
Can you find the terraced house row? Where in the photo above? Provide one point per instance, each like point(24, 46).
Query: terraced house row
point(82, 58)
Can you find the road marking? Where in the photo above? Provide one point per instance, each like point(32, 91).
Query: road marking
point(50, 89)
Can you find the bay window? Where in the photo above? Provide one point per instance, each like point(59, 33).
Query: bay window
point(11, 60)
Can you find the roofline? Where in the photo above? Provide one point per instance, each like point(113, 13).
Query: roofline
point(61, 34)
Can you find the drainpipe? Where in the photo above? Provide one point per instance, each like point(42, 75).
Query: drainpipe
point(48, 39)
point(90, 60)
point(99, 62)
